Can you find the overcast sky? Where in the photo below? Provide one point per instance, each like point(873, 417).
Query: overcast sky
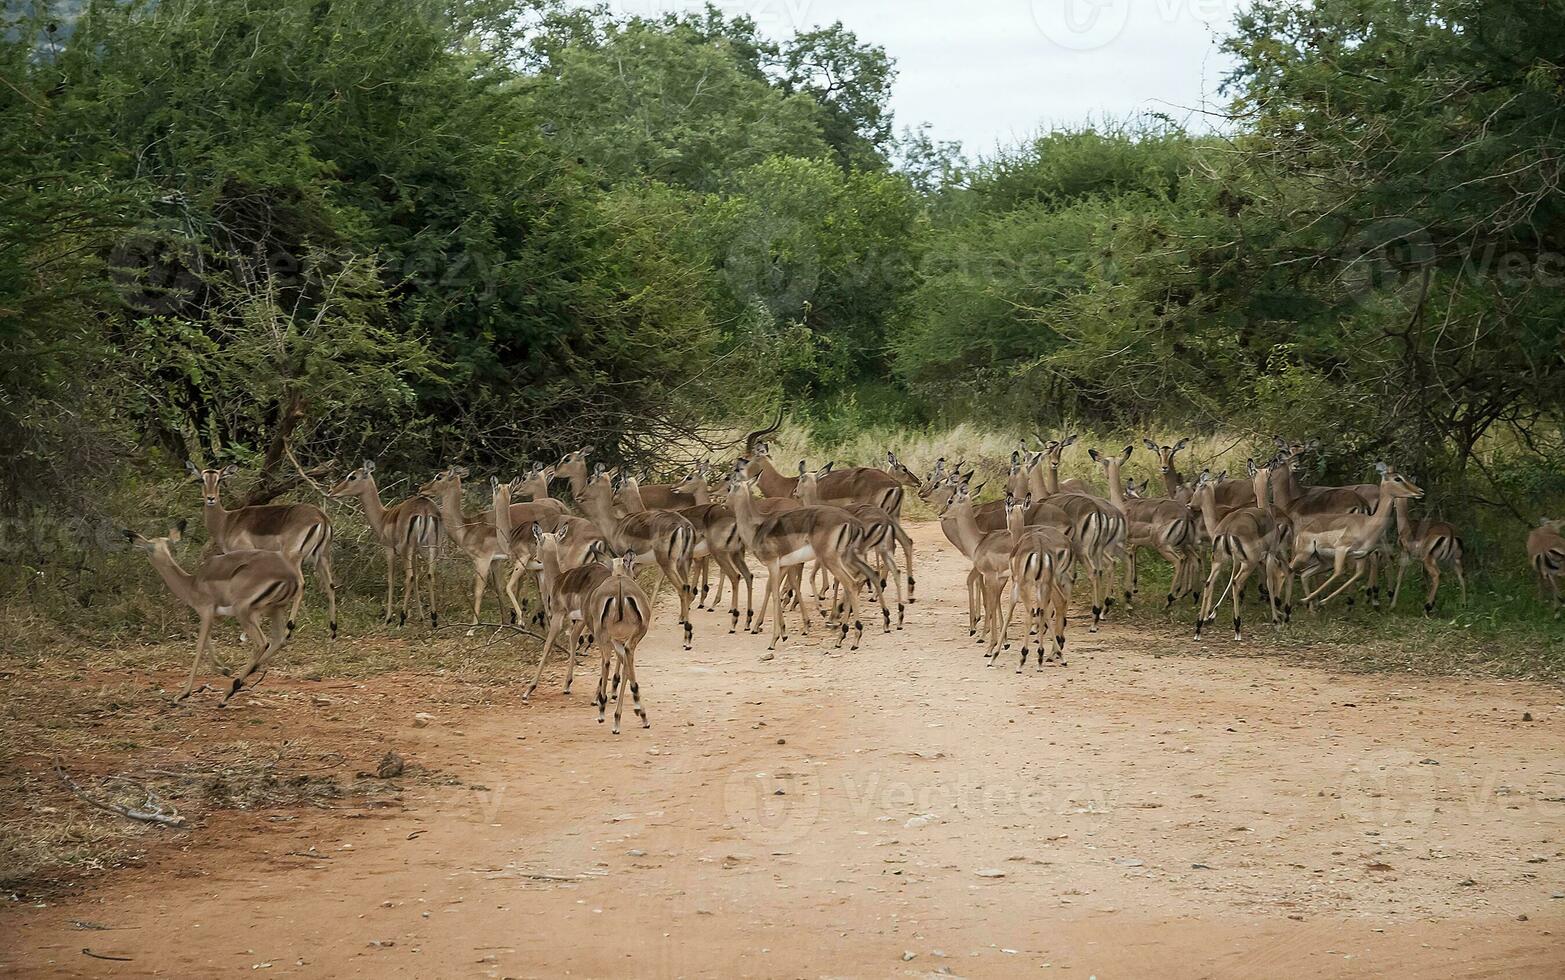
point(990, 71)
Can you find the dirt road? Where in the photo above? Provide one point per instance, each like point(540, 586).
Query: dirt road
point(902, 811)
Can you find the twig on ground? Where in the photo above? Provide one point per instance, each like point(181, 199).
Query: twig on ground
point(148, 816)
point(493, 626)
point(105, 956)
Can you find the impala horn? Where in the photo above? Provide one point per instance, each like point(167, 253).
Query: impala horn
point(750, 440)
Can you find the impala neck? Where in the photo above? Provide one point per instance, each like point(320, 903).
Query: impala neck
point(1172, 481)
point(1206, 499)
point(597, 502)
point(772, 483)
point(449, 503)
point(630, 498)
point(1404, 522)
point(1116, 485)
point(965, 524)
point(179, 581)
point(374, 511)
point(549, 569)
point(502, 512)
point(1285, 488)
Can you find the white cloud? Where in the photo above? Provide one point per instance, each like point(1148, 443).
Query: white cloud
point(993, 71)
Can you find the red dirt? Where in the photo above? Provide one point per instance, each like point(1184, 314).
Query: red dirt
point(1195, 815)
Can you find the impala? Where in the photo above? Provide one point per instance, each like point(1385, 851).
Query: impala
point(245, 584)
point(302, 532)
point(565, 591)
point(1546, 555)
point(1166, 526)
point(1042, 563)
point(655, 535)
point(1335, 539)
point(1432, 542)
point(716, 538)
point(620, 614)
point(1097, 526)
point(856, 484)
point(792, 537)
point(409, 530)
point(879, 530)
point(1173, 480)
point(990, 553)
point(1249, 538)
point(476, 538)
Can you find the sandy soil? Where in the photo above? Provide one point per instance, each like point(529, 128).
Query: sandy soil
point(901, 811)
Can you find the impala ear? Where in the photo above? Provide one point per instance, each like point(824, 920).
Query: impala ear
point(494, 483)
point(228, 471)
point(1027, 500)
point(827, 468)
point(1381, 468)
point(369, 466)
point(460, 472)
point(1249, 466)
point(192, 469)
point(802, 468)
point(1181, 444)
point(597, 470)
point(978, 489)
point(177, 532)
point(1093, 453)
point(1126, 454)
point(561, 531)
point(537, 531)
point(1070, 440)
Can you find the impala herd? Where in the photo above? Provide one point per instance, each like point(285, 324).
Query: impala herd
point(824, 534)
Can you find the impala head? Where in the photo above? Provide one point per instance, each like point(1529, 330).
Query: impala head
point(1135, 490)
point(1053, 449)
point(1399, 485)
point(547, 543)
point(158, 547)
point(809, 480)
point(355, 482)
point(750, 447)
point(1107, 461)
point(534, 482)
point(209, 480)
point(500, 492)
point(962, 492)
point(573, 465)
point(901, 472)
point(1293, 452)
point(1165, 454)
point(625, 564)
point(443, 481)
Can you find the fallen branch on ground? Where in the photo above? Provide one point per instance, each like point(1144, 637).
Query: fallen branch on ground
point(148, 816)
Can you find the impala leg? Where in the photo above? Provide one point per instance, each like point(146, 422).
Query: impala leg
point(429, 571)
point(323, 571)
point(202, 639)
point(621, 680)
point(555, 622)
point(410, 586)
point(518, 569)
point(480, 579)
point(1242, 572)
point(1396, 587)
point(896, 578)
point(1461, 577)
point(391, 579)
point(1338, 566)
point(779, 628)
point(1359, 565)
point(1208, 594)
point(576, 639)
point(635, 686)
point(602, 699)
point(906, 543)
point(766, 601)
point(1432, 571)
point(974, 597)
point(252, 625)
